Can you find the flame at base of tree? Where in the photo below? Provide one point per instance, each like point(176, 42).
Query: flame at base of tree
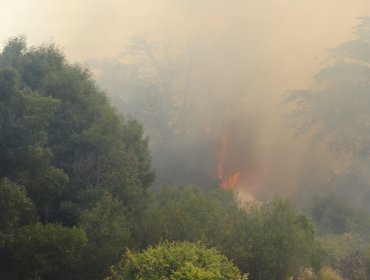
point(230, 182)
point(226, 182)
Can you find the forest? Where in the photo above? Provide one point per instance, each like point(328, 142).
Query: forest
point(122, 171)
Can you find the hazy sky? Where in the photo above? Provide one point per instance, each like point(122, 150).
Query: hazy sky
point(283, 37)
point(261, 48)
point(92, 28)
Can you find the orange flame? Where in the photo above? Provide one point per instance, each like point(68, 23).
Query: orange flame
point(229, 182)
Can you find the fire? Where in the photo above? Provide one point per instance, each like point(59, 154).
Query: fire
point(226, 182)
point(230, 182)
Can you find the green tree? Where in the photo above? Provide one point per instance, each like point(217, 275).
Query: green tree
point(80, 164)
point(25, 157)
point(270, 240)
point(39, 251)
point(108, 231)
point(187, 213)
point(332, 215)
point(176, 261)
point(281, 242)
point(16, 210)
point(346, 253)
point(56, 120)
point(25, 115)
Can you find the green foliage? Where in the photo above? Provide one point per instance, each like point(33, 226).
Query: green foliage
point(24, 155)
point(176, 261)
point(16, 209)
point(331, 214)
point(24, 117)
point(80, 164)
point(271, 240)
point(41, 252)
point(47, 186)
point(133, 137)
point(280, 239)
point(344, 233)
point(346, 253)
point(55, 120)
point(184, 214)
point(108, 229)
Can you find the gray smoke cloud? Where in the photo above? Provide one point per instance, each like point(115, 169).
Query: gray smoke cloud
point(248, 54)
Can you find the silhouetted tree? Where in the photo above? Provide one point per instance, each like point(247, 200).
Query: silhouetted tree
point(336, 112)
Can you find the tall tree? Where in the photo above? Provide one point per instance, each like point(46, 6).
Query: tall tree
point(164, 87)
point(336, 112)
point(60, 133)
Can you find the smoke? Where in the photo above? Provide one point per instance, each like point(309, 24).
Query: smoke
point(244, 56)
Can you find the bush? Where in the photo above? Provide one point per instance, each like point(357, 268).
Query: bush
point(183, 260)
point(327, 273)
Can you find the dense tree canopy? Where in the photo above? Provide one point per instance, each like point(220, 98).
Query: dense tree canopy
point(39, 251)
point(66, 158)
point(269, 241)
point(16, 209)
point(57, 124)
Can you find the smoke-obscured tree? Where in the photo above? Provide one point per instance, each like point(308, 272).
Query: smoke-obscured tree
point(347, 254)
point(165, 87)
point(161, 80)
point(182, 260)
point(336, 112)
point(332, 215)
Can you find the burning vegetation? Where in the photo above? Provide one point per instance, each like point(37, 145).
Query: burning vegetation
point(227, 182)
point(169, 144)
